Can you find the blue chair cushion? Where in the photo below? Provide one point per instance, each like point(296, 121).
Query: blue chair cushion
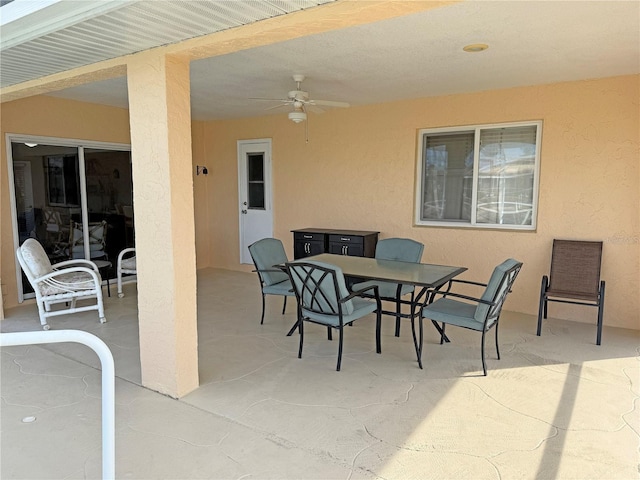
point(400, 249)
point(495, 288)
point(282, 288)
point(361, 307)
point(266, 253)
point(454, 312)
point(387, 290)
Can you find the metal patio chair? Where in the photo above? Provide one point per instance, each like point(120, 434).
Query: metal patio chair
point(479, 314)
point(401, 250)
point(574, 278)
point(266, 254)
point(323, 298)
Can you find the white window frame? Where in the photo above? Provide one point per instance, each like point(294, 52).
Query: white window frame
point(472, 223)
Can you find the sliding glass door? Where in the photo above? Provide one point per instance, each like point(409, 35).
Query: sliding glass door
point(77, 201)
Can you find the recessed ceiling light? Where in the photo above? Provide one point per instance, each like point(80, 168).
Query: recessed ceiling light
point(476, 47)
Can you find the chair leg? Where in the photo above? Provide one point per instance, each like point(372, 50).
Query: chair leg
point(484, 365)
point(413, 333)
point(284, 305)
point(497, 347)
point(301, 331)
point(600, 314)
point(119, 276)
point(43, 317)
point(398, 312)
point(378, 325)
point(262, 318)
point(542, 307)
point(442, 333)
point(339, 348)
point(101, 308)
point(329, 334)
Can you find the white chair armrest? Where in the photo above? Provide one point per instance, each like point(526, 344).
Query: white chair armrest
point(124, 252)
point(55, 273)
point(78, 262)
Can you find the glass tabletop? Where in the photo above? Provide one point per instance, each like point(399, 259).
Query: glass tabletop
point(421, 274)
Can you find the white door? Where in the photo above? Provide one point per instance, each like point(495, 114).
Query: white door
point(254, 189)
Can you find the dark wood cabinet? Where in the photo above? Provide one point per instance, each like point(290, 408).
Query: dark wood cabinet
point(313, 241)
point(307, 243)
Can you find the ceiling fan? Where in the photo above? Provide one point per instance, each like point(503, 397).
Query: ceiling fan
point(300, 101)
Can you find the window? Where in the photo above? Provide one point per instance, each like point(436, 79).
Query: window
point(62, 180)
point(479, 176)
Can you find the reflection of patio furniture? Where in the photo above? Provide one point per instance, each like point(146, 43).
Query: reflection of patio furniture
point(57, 232)
point(574, 278)
point(127, 211)
point(402, 250)
point(97, 240)
point(266, 254)
point(483, 313)
point(63, 282)
point(512, 213)
point(126, 266)
point(323, 298)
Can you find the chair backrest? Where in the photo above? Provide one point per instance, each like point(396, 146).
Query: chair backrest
point(52, 220)
point(575, 268)
point(33, 260)
point(265, 254)
point(498, 287)
point(400, 249)
point(97, 237)
point(319, 287)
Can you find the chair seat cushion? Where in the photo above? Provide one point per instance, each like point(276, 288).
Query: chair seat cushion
point(128, 263)
point(282, 288)
point(68, 282)
point(454, 312)
point(361, 307)
point(385, 289)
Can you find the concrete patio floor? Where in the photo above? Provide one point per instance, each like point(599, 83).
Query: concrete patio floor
point(555, 406)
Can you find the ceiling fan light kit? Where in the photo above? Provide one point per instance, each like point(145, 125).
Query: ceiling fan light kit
point(297, 117)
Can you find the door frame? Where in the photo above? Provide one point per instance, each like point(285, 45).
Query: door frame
point(54, 141)
point(242, 193)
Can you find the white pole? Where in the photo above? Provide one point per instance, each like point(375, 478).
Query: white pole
point(108, 381)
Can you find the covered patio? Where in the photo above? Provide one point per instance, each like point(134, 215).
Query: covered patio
point(555, 406)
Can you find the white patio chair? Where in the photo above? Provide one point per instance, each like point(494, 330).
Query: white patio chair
point(125, 266)
point(64, 282)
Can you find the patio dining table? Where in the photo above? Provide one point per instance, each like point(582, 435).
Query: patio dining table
point(427, 278)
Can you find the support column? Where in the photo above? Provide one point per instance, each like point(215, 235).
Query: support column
point(160, 123)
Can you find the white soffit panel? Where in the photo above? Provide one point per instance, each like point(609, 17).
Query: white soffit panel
point(53, 36)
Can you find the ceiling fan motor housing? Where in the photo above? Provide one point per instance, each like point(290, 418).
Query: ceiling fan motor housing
point(299, 95)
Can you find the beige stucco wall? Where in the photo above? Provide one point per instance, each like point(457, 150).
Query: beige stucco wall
point(357, 171)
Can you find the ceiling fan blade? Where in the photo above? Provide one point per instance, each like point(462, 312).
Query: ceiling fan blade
point(314, 108)
point(283, 100)
point(276, 106)
point(329, 103)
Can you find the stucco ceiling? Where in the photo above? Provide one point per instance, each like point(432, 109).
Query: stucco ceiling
point(419, 55)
